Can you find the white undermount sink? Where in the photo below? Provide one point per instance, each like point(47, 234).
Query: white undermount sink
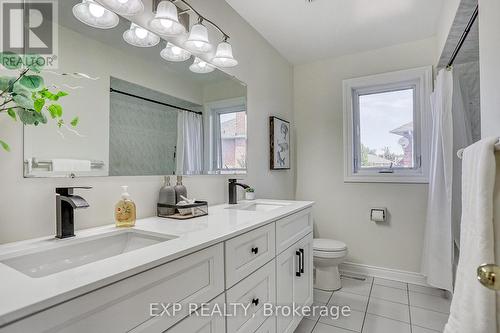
point(259, 206)
point(65, 254)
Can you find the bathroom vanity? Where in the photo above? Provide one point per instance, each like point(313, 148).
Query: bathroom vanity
point(127, 280)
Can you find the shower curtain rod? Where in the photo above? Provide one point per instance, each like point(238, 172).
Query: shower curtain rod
point(153, 101)
point(464, 36)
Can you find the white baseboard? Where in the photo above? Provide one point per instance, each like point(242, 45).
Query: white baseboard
point(384, 273)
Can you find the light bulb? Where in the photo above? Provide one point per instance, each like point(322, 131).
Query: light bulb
point(202, 64)
point(198, 44)
point(141, 33)
point(167, 24)
point(96, 10)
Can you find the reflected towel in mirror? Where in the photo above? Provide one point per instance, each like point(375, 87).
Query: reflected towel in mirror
point(65, 165)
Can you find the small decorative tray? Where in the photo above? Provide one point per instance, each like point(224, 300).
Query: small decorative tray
point(183, 212)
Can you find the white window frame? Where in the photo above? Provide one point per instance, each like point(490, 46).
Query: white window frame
point(215, 109)
point(418, 79)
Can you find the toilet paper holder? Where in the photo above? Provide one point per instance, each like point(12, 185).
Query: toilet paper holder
point(378, 214)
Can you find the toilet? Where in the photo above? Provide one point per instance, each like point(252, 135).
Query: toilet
point(328, 254)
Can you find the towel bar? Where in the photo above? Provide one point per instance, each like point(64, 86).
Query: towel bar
point(460, 152)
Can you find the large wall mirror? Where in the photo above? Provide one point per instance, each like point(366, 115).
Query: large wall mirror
point(138, 114)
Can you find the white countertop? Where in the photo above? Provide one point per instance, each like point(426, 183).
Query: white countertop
point(21, 295)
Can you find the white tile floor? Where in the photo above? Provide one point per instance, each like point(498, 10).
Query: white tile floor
point(381, 306)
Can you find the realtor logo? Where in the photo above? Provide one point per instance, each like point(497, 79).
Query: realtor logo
point(29, 27)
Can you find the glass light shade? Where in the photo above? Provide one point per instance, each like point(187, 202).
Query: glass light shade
point(95, 15)
point(174, 53)
point(125, 7)
point(140, 37)
point(224, 56)
point(166, 20)
point(201, 67)
point(197, 41)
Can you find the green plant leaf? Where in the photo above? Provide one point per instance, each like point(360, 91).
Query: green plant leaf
point(55, 111)
point(75, 121)
point(31, 117)
point(32, 82)
point(5, 82)
point(61, 94)
point(10, 60)
point(12, 113)
point(38, 104)
point(23, 101)
point(4, 145)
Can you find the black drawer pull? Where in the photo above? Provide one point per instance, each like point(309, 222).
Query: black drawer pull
point(255, 250)
point(298, 254)
point(302, 260)
point(255, 301)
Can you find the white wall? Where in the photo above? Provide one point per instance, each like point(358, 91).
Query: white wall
point(489, 53)
point(27, 205)
point(342, 209)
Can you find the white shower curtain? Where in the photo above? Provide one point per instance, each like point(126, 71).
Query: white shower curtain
point(451, 131)
point(437, 252)
point(189, 143)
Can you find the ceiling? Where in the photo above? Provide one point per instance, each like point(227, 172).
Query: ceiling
point(304, 31)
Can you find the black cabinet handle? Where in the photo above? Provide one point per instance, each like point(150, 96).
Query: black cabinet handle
point(255, 301)
point(255, 250)
point(302, 260)
point(298, 254)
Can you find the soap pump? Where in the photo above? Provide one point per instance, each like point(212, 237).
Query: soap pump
point(125, 212)
point(180, 190)
point(166, 197)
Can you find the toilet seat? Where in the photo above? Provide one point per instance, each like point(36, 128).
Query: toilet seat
point(329, 255)
point(328, 245)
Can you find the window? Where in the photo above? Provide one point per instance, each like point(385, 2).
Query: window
point(386, 119)
point(228, 136)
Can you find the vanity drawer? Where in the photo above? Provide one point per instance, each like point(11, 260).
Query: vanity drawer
point(196, 323)
point(292, 228)
point(125, 305)
point(254, 291)
point(246, 253)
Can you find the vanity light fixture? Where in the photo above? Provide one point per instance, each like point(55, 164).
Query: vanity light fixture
point(140, 37)
point(125, 7)
point(197, 41)
point(95, 15)
point(201, 67)
point(172, 52)
point(224, 55)
point(166, 20)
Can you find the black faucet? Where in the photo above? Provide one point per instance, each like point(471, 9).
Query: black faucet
point(66, 203)
point(233, 194)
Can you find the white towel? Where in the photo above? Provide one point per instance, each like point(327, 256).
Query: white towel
point(66, 165)
point(473, 308)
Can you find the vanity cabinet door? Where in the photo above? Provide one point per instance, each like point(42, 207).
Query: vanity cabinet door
point(294, 275)
point(253, 292)
point(247, 252)
point(125, 305)
point(203, 322)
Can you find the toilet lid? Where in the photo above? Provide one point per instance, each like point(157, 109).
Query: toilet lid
point(328, 245)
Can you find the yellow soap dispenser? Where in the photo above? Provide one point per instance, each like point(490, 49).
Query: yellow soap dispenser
point(125, 210)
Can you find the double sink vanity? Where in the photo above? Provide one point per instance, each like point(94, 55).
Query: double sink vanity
point(147, 278)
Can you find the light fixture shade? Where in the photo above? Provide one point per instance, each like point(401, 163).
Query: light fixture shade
point(166, 20)
point(174, 53)
point(140, 37)
point(197, 41)
point(125, 7)
point(95, 15)
point(201, 67)
point(224, 56)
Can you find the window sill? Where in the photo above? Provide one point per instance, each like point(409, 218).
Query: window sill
point(392, 178)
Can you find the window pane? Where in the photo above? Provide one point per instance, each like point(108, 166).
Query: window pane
point(233, 140)
point(386, 129)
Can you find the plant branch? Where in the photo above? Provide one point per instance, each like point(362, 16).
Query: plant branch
point(23, 73)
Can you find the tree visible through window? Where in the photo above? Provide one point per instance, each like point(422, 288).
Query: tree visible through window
point(386, 134)
point(233, 128)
